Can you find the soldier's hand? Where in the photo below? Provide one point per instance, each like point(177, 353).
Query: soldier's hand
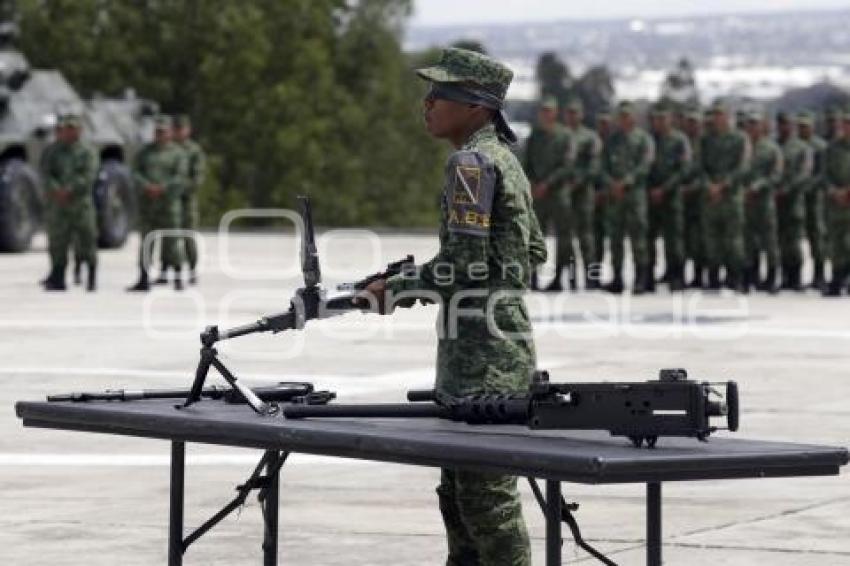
point(599, 198)
point(618, 190)
point(62, 195)
point(715, 192)
point(656, 195)
point(374, 294)
point(540, 190)
point(153, 191)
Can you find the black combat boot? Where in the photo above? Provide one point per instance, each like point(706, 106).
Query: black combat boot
point(735, 280)
point(771, 284)
point(591, 283)
point(649, 283)
point(836, 286)
point(56, 280)
point(162, 279)
point(178, 280)
point(555, 286)
point(193, 277)
point(697, 281)
point(676, 277)
point(786, 278)
point(616, 284)
point(713, 279)
point(796, 277)
point(78, 278)
point(92, 280)
point(642, 277)
point(142, 284)
point(818, 281)
point(534, 284)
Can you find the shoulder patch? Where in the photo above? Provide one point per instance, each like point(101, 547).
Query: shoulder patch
point(470, 185)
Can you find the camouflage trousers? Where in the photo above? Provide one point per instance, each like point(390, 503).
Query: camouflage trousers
point(75, 229)
point(482, 512)
point(189, 216)
point(791, 218)
point(693, 233)
point(838, 228)
point(553, 212)
point(600, 228)
point(761, 231)
point(723, 234)
point(582, 223)
point(628, 218)
point(666, 221)
point(161, 216)
point(816, 229)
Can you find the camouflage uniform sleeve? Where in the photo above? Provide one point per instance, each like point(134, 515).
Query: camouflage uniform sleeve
point(536, 242)
point(594, 161)
point(562, 173)
point(774, 177)
point(179, 177)
point(640, 173)
point(199, 167)
point(832, 169)
point(739, 172)
point(46, 167)
point(462, 261)
point(85, 170)
point(139, 179)
point(801, 170)
point(683, 166)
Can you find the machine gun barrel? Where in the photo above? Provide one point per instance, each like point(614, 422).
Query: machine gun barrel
point(374, 411)
point(393, 268)
point(282, 392)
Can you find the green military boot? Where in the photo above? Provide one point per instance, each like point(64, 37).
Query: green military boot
point(676, 278)
point(818, 281)
point(713, 279)
point(641, 284)
point(616, 285)
point(91, 284)
point(697, 281)
point(836, 286)
point(56, 280)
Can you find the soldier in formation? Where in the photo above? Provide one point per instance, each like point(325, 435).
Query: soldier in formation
point(837, 181)
point(160, 175)
point(69, 167)
point(726, 197)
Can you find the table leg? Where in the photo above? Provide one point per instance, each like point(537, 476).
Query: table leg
point(553, 523)
point(271, 505)
point(175, 525)
point(653, 524)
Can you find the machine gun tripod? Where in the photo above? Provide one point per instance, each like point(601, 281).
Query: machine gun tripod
point(310, 302)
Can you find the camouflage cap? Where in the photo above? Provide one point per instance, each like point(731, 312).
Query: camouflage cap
point(549, 102)
point(718, 107)
point(806, 118)
point(693, 113)
point(163, 122)
point(71, 120)
point(575, 105)
point(626, 107)
point(182, 121)
point(660, 109)
point(463, 66)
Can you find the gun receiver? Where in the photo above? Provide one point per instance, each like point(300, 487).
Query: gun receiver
point(673, 405)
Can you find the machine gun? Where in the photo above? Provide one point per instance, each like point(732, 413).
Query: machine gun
point(310, 302)
point(283, 392)
point(673, 405)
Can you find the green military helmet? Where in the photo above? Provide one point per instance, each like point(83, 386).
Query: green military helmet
point(549, 102)
point(806, 118)
point(163, 122)
point(182, 121)
point(626, 107)
point(660, 109)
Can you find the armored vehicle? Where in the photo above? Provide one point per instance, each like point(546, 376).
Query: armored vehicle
point(30, 102)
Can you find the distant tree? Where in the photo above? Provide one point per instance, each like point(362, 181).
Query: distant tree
point(553, 76)
point(470, 44)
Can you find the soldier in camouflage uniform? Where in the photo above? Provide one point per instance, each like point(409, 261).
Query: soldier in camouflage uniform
point(546, 161)
point(670, 168)
point(692, 197)
point(69, 169)
point(832, 125)
point(189, 202)
point(490, 242)
point(159, 173)
point(626, 161)
point(791, 200)
point(815, 196)
point(837, 172)
point(725, 163)
point(600, 208)
point(580, 186)
point(761, 229)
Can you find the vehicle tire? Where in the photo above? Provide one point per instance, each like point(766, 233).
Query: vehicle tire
point(113, 198)
point(20, 205)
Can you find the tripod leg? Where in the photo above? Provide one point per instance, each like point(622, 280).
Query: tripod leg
point(256, 403)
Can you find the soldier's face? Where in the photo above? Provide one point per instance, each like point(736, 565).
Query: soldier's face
point(659, 122)
point(572, 118)
point(784, 128)
point(845, 129)
point(692, 127)
point(162, 135)
point(804, 130)
point(753, 129)
point(182, 133)
point(445, 118)
point(72, 134)
point(626, 120)
point(547, 117)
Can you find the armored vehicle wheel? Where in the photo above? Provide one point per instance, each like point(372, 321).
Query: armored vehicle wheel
point(113, 197)
point(20, 205)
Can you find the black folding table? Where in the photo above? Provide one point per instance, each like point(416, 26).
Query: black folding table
point(555, 456)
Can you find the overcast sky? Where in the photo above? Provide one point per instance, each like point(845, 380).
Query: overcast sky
point(447, 12)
